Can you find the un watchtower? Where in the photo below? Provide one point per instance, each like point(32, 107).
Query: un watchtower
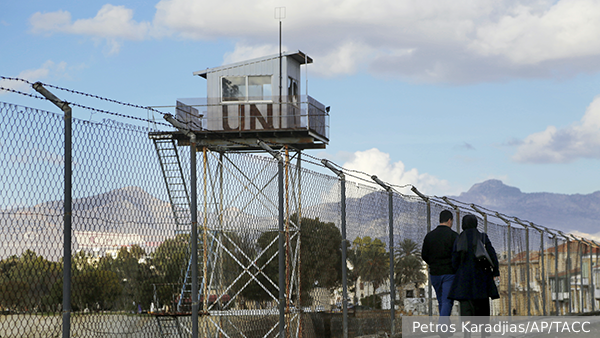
point(255, 105)
point(244, 104)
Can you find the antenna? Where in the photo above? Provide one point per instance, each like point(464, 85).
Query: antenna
point(280, 15)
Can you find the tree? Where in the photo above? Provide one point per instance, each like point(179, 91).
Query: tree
point(135, 277)
point(96, 289)
point(172, 257)
point(320, 257)
point(26, 280)
point(370, 261)
point(408, 264)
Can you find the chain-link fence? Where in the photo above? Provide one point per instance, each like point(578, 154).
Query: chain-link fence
point(270, 239)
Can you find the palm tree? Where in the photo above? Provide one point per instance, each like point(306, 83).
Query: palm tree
point(369, 259)
point(408, 264)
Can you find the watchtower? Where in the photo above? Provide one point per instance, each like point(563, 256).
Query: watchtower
point(254, 105)
point(243, 104)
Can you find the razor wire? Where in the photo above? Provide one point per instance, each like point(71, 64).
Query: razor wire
point(130, 258)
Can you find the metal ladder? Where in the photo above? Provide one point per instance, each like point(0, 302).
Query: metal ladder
point(180, 203)
point(174, 180)
point(170, 164)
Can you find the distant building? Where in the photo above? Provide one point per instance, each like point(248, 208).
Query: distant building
point(571, 279)
point(101, 243)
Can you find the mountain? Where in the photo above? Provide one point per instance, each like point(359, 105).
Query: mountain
point(131, 215)
point(109, 220)
point(122, 216)
point(557, 211)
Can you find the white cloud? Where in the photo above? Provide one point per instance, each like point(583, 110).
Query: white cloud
point(554, 145)
point(49, 68)
point(526, 35)
point(113, 23)
point(378, 163)
point(424, 40)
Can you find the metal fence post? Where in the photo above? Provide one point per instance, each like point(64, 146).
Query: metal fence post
point(484, 215)
point(281, 251)
point(556, 274)
point(591, 279)
point(456, 210)
point(67, 218)
point(429, 286)
point(194, 237)
point(592, 284)
point(542, 261)
point(597, 255)
point(568, 268)
point(527, 264)
point(580, 253)
point(509, 240)
point(391, 239)
point(194, 218)
point(342, 177)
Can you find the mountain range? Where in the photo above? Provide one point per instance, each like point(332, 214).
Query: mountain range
point(131, 215)
point(568, 213)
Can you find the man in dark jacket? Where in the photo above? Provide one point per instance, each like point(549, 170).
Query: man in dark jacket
point(437, 253)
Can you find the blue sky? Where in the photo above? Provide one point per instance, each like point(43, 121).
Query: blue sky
point(439, 94)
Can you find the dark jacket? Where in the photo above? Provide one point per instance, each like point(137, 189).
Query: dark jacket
point(470, 281)
point(437, 250)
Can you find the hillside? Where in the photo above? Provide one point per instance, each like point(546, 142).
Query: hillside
point(559, 211)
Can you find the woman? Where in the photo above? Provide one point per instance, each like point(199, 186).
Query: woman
point(473, 285)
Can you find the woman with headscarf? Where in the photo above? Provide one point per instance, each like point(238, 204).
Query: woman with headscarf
point(473, 285)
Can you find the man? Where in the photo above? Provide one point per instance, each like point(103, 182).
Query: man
point(437, 253)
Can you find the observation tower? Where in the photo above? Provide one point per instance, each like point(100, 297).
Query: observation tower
point(251, 106)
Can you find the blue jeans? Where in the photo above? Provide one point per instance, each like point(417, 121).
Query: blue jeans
point(441, 284)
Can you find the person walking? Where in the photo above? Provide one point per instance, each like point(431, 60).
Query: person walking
point(437, 253)
point(473, 284)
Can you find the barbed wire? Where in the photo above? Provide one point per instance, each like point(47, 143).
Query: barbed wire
point(86, 94)
point(85, 107)
point(22, 93)
point(347, 171)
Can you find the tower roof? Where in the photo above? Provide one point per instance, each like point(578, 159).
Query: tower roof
point(299, 56)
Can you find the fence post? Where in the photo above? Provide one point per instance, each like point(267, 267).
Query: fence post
point(527, 264)
point(591, 279)
point(484, 215)
point(67, 218)
point(391, 240)
point(281, 251)
point(592, 285)
point(194, 218)
point(509, 240)
point(556, 273)
point(457, 210)
point(580, 253)
point(342, 177)
point(542, 261)
point(597, 254)
point(568, 269)
point(429, 286)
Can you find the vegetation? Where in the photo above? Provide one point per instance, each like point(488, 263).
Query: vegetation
point(132, 278)
point(370, 262)
point(320, 256)
point(408, 265)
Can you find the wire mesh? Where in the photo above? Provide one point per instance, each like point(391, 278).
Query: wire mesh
point(131, 272)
